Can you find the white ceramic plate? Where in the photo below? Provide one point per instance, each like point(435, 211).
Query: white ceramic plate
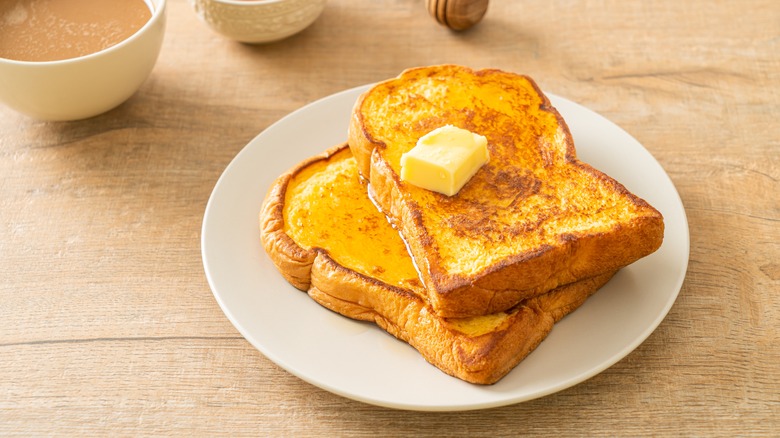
point(360, 361)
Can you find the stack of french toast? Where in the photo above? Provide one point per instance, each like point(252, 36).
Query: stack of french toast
point(474, 280)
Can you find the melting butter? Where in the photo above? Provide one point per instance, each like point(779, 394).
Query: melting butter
point(445, 159)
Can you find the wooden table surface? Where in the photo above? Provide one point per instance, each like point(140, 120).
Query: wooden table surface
point(107, 323)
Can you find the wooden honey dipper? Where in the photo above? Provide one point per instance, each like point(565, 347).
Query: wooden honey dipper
point(457, 14)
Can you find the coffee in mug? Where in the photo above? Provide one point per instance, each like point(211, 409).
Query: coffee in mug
point(52, 30)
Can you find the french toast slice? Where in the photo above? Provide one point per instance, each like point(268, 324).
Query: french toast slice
point(533, 218)
point(326, 237)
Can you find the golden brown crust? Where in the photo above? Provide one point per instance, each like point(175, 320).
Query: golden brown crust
point(293, 261)
point(478, 350)
point(482, 359)
point(552, 257)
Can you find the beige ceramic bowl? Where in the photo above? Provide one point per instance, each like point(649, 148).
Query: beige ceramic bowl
point(258, 21)
point(86, 86)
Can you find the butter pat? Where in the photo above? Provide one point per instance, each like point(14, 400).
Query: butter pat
point(445, 159)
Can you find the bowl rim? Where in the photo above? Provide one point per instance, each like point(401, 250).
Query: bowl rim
point(158, 10)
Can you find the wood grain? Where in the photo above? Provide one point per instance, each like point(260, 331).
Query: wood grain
point(107, 324)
